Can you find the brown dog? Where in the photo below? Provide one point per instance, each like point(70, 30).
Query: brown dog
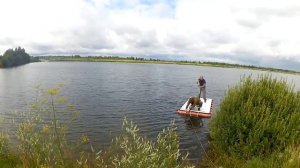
point(194, 101)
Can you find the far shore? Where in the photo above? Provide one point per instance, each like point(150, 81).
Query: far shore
point(157, 61)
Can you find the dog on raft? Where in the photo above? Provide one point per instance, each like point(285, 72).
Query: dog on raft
point(194, 101)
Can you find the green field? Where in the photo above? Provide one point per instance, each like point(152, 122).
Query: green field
point(157, 61)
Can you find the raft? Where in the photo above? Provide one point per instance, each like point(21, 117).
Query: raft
point(204, 112)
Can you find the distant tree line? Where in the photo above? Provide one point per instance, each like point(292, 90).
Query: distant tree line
point(60, 58)
point(16, 57)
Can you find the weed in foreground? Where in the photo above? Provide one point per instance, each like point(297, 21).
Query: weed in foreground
point(41, 141)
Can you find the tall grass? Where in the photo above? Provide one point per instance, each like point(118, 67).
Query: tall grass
point(145, 153)
point(41, 141)
point(3, 144)
point(257, 122)
point(42, 132)
point(133, 150)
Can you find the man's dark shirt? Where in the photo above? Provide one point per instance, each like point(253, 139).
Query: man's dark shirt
point(202, 82)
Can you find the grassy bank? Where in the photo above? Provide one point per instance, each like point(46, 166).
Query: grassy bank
point(157, 61)
point(40, 141)
point(257, 125)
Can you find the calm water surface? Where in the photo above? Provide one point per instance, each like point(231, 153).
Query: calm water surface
point(147, 94)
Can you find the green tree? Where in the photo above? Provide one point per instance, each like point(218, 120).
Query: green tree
point(15, 57)
point(1, 65)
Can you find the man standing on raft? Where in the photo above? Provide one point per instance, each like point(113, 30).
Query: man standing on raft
point(202, 86)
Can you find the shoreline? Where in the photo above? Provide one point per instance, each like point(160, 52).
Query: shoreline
point(153, 61)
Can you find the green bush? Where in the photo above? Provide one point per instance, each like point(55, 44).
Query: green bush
point(256, 119)
point(290, 158)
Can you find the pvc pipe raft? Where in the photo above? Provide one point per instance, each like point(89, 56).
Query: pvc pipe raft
point(204, 112)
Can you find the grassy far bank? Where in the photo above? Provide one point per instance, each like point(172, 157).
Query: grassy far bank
point(78, 58)
point(257, 125)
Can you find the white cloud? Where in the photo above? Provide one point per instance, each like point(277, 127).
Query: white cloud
point(229, 30)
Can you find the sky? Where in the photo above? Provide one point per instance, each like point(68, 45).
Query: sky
point(252, 32)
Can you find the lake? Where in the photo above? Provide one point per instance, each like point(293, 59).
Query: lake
point(105, 93)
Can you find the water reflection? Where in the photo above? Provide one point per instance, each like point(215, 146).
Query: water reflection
point(193, 123)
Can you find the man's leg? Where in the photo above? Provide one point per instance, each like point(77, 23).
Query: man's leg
point(204, 94)
point(200, 94)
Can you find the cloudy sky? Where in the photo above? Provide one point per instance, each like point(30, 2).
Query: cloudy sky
point(252, 32)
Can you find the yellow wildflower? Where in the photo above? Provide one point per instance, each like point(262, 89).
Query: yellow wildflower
point(53, 91)
point(84, 139)
point(45, 129)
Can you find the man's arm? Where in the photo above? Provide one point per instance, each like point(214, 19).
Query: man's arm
point(198, 84)
point(203, 86)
